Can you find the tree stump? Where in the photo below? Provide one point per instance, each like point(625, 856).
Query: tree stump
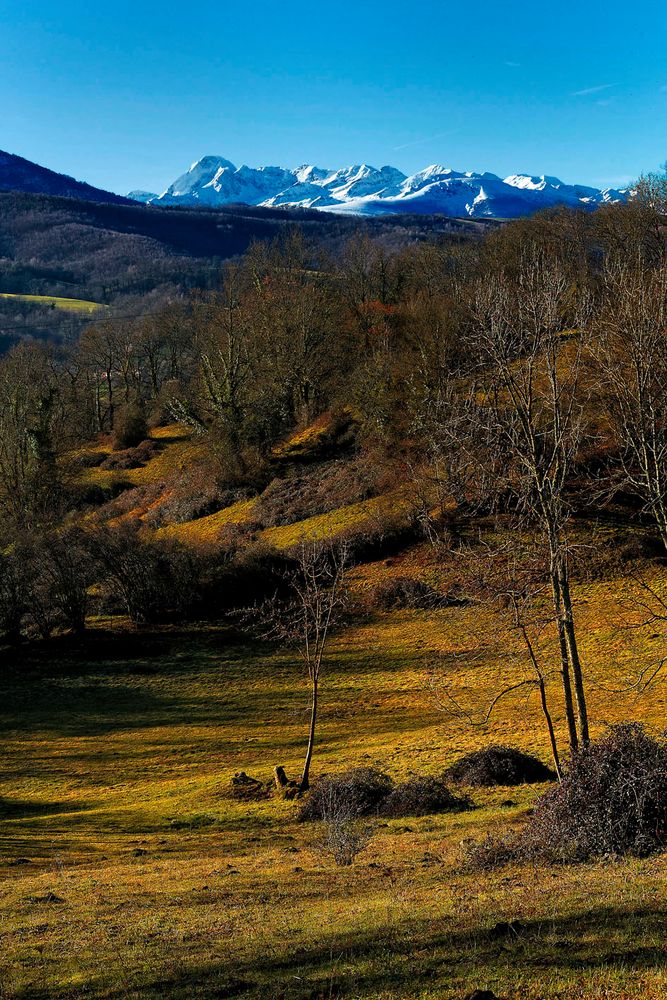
point(280, 777)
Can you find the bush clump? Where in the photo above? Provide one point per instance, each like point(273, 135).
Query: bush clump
point(499, 765)
point(612, 802)
point(130, 426)
point(344, 833)
point(421, 796)
point(362, 789)
point(131, 458)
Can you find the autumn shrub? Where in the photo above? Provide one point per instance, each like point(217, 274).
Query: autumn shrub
point(241, 573)
point(499, 765)
point(384, 534)
point(131, 458)
point(612, 802)
point(308, 492)
point(151, 578)
point(14, 597)
point(362, 790)
point(56, 572)
point(192, 495)
point(422, 796)
point(90, 459)
point(130, 426)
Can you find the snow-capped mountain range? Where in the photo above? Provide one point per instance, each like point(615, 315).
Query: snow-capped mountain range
point(366, 190)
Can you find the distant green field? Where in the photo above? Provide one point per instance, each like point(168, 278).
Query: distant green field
point(59, 302)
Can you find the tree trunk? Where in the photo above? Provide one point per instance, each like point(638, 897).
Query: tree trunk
point(544, 703)
point(565, 664)
point(550, 727)
point(304, 784)
point(573, 656)
point(280, 777)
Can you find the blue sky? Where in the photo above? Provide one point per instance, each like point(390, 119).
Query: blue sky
point(126, 95)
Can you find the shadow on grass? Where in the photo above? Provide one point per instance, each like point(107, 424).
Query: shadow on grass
point(403, 960)
point(12, 809)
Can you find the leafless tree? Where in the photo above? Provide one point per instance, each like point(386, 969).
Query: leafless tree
point(512, 585)
point(303, 621)
point(631, 351)
point(513, 426)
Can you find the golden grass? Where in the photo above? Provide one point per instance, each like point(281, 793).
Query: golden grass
point(307, 440)
point(59, 302)
point(207, 530)
point(178, 451)
point(336, 522)
point(116, 766)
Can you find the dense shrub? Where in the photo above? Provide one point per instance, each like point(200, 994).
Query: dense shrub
point(318, 490)
point(151, 578)
point(130, 426)
point(13, 597)
point(191, 496)
point(90, 459)
point(611, 802)
point(244, 573)
point(499, 765)
point(131, 458)
point(422, 797)
point(382, 534)
point(362, 789)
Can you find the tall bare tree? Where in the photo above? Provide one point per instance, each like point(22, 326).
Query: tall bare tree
point(513, 427)
point(631, 352)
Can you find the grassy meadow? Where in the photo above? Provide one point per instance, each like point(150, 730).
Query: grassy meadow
point(128, 870)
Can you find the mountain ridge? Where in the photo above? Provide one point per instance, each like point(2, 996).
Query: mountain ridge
point(362, 189)
point(19, 174)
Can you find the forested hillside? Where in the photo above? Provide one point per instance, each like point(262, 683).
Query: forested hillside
point(135, 258)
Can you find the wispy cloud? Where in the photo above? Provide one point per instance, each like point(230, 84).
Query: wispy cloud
point(427, 138)
point(513, 65)
point(592, 90)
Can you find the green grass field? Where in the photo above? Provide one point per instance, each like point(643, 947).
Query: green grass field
point(127, 870)
point(59, 302)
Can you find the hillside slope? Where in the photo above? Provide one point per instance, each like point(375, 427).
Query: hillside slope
point(19, 174)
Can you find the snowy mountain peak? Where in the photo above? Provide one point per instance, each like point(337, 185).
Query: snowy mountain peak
point(212, 164)
point(366, 190)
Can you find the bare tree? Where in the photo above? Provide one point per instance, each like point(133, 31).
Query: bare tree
point(511, 583)
point(303, 621)
point(631, 352)
point(221, 333)
point(513, 427)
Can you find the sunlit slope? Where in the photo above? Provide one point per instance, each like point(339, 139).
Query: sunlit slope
point(59, 302)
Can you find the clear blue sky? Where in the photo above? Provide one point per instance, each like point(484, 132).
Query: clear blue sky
point(126, 94)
